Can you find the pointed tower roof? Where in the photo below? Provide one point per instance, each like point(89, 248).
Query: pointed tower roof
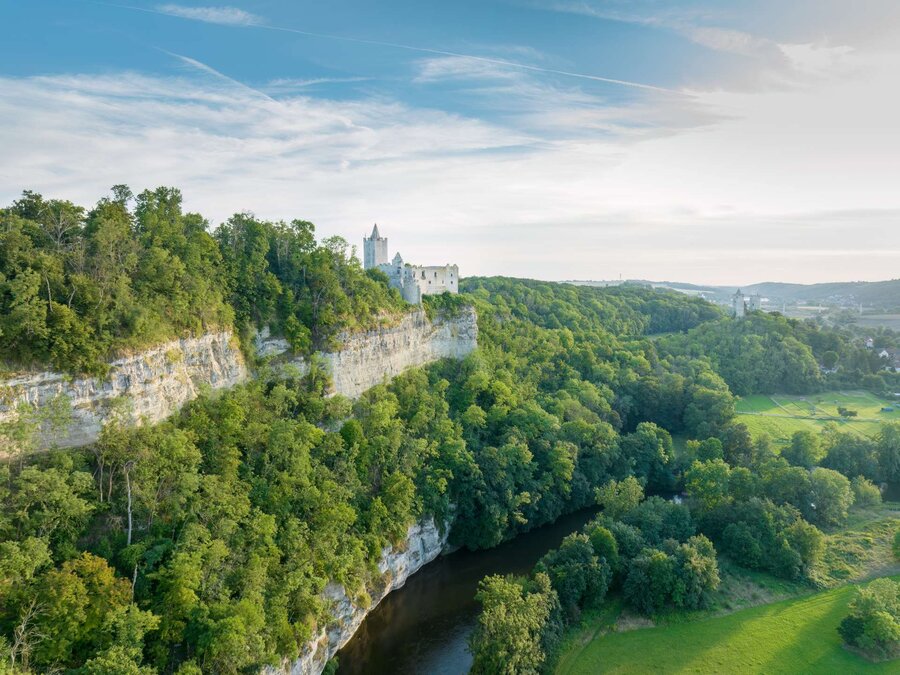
point(397, 258)
point(375, 234)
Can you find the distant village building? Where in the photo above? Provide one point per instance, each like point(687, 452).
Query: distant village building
point(413, 281)
point(891, 358)
point(741, 304)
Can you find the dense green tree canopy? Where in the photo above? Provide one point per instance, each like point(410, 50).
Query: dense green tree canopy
point(203, 544)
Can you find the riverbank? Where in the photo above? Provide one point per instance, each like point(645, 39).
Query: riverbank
point(424, 626)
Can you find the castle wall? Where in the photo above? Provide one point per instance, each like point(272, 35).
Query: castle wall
point(434, 279)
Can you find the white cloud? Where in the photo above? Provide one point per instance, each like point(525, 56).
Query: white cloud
point(226, 16)
point(463, 68)
point(793, 184)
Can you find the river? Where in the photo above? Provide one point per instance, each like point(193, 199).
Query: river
point(423, 627)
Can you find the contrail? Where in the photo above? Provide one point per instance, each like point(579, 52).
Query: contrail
point(423, 50)
point(199, 65)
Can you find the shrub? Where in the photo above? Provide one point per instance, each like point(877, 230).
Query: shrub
point(873, 624)
point(604, 545)
point(578, 576)
point(681, 576)
point(518, 625)
point(865, 492)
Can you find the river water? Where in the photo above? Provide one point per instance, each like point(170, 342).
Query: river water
point(423, 627)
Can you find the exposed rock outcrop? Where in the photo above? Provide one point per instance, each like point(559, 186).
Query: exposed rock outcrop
point(154, 384)
point(424, 542)
point(375, 356)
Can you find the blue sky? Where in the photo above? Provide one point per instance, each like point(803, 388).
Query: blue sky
point(700, 141)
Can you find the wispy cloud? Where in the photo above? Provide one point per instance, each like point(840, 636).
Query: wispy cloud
point(692, 23)
point(231, 16)
point(770, 62)
point(289, 85)
point(461, 68)
point(226, 16)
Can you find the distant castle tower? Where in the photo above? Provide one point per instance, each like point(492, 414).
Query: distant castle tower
point(375, 250)
point(738, 306)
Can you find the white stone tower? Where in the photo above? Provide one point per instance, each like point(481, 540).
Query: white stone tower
point(738, 308)
point(375, 250)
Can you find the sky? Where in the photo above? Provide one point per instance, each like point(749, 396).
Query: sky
point(700, 140)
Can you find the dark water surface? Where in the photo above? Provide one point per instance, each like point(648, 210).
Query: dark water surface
point(423, 627)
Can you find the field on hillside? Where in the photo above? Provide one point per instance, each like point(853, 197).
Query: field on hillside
point(793, 636)
point(780, 415)
point(891, 321)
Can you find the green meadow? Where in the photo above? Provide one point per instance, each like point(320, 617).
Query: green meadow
point(793, 636)
point(780, 415)
point(755, 623)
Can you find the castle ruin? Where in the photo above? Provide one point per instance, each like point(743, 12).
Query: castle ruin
point(413, 281)
point(740, 304)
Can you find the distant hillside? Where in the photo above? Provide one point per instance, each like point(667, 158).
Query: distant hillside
point(880, 294)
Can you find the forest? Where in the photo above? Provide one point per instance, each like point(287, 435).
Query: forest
point(203, 544)
point(79, 285)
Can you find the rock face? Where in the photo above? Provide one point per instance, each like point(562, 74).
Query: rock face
point(157, 382)
point(423, 543)
point(154, 383)
point(370, 358)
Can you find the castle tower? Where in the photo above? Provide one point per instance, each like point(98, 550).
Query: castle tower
point(375, 249)
point(738, 307)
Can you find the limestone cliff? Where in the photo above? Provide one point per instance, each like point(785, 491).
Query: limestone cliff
point(372, 357)
point(153, 383)
point(423, 543)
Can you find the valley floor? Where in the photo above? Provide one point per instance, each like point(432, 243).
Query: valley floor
point(755, 623)
point(792, 636)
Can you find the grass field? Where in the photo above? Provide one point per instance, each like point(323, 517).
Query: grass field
point(747, 603)
point(891, 321)
point(861, 549)
point(781, 415)
point(793, 636)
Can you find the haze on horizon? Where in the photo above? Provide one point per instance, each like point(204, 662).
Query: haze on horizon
point(550, 139)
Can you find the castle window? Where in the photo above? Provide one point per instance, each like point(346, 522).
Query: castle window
point(435, 275)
